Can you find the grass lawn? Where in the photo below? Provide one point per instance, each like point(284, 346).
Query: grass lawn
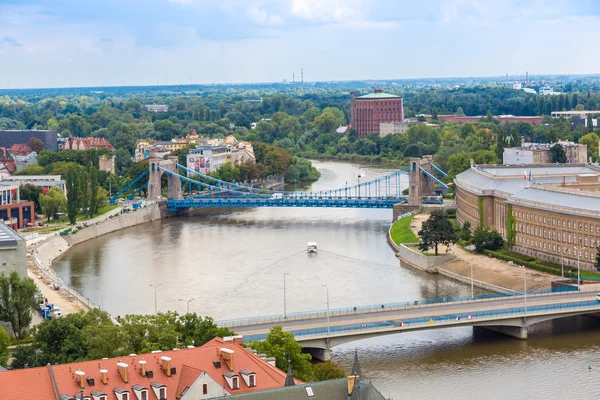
point(401, 232)
point(102, 210)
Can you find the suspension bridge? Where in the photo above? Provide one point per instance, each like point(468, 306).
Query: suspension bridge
point(205, 191)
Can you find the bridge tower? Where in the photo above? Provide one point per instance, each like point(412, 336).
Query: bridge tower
point(427, 188)
point(155, 179)
point(414, 182)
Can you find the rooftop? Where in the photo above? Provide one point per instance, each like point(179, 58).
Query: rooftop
point(8, 237)
point(378, 94)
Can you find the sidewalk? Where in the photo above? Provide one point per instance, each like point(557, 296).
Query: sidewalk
point(488, 269)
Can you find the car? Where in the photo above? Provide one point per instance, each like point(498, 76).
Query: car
point(598, 297)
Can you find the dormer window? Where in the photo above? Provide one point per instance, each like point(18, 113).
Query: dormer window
point(121, 394)
point(232, 379)
point(160, 390)
point(249, 377)
point(140, 392)
point(98, 395)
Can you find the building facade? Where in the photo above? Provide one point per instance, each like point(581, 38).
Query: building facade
point(44, 181)
point(157, 107)
point(553, 214)
point(539, 153)
point(392, 128)
point(77, 143)
point(13, 252)
point(10, 137)
point(205, 159)
point(14, 212)
point(574, 113)
point(372, 109)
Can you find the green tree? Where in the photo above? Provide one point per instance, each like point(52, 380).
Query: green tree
point(72, 186)
point(52, 202)
point(437, 230)
point(4, 343)
point(84, 191)
point(93, 177)
point(31, 170)
point(465, 233)
point(326, 371)
point(485, 238)
point(123, 161)
point(557, 154)
point(434, 114)
point(591, 140)
point(590, 123)
point(460, 112)
point(30, 192)
point(17, 302)
point(597, 262)
point(283, 347)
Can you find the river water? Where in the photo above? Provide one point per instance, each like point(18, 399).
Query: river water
point(233, 264)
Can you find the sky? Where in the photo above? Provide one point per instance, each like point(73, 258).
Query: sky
point(70, 43)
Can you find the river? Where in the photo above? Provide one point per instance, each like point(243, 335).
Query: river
point(233, 264)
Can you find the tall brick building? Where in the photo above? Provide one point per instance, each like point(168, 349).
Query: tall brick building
point(370, 110)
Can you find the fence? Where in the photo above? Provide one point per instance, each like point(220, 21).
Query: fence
point(417, 322)
point(274, 319)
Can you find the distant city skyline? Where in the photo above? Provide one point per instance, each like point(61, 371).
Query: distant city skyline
point(69, 43)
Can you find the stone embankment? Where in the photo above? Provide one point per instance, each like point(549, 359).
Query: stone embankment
point(42, 254)
point(488, 273)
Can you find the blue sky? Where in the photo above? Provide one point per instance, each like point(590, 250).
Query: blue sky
point(63, 43)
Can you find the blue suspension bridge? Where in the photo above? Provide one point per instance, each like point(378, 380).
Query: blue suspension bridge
point(205, 191)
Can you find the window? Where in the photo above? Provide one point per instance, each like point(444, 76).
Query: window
point(553, 221)
point(252, 384)
point(580, 226)
point(236, 383)
point(585, 227)
point(569, 224)
point(205, 388)
point(144, 395)
point(125, 396)
point(163, 393)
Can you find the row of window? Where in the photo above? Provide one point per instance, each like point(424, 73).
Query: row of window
point(583, 253)
point(566, 223)
point(559, 236)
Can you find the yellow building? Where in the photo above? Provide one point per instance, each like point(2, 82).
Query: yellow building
point(551, 212)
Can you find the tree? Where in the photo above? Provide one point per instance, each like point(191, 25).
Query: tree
point(31, 170)
point(557, 154)
point(283, 347)
point(17, 302)
point(434, 114)
point(465, 233)
point(93, 175)
point(73, 201)
point(591, 140)
point(598, 258)
point(489, 117)
point(486, 239)
point(52, 202)
point(123, 161)
point(31, 193)
point(326, 371)
point(459, 111)
point(35, 144)
point(4, 343)
point(590, 123)
point(435, 231)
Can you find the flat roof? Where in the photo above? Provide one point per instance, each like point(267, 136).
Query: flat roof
point(378, 95)
point(8, 237)
point(560, 199)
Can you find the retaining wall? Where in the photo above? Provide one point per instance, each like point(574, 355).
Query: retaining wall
point(422, 261)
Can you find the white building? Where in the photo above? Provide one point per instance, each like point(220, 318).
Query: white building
point(205, 159)
point(157, 107)
point(44, 181)
point(517, 86)
point(391, 128)
point(547, 90)
point(569, 114)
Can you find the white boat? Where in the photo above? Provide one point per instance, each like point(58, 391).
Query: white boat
point(312, 247)
point(361, 174)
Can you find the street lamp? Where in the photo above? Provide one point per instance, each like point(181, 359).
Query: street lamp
point(578, 272)
point(155, 304)
point(562, 263)
point(188, 301)
point(525, 286)
point(472, 292)
point(328, 326)
point(284, 297)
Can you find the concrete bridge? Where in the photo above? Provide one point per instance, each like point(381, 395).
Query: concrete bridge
point(318, 332)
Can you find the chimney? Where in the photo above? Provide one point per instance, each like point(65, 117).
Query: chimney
point(227, 356)
point(143, 367)
point(123, 371)
point(166, 365)
point(238, 339)
point(351, 380)
point(104, 373)
point(80, 378)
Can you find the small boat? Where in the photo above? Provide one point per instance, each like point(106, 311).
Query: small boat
point(361, 174)
point(312, 247)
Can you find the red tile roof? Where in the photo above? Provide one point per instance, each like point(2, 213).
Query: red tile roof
point(36, 384)
point(20, 149)
point(77, 143)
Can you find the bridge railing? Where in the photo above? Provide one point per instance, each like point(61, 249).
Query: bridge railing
point(278, 318)
point(415, 322)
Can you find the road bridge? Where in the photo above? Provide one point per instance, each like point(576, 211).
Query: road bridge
point(319, 331)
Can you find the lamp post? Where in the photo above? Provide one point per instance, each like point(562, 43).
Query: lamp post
point(525, 286)
point(562, 264)
point(188, 301)
point(472, 292)
point(284, 297)
point(328, 326)
point(578, 271)
point(155, 303)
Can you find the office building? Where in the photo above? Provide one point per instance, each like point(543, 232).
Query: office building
point(370, 110)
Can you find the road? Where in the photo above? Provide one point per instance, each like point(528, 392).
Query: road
point(418, 311)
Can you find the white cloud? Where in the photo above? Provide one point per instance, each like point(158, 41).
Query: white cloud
point(326, 10)
point(261, 17)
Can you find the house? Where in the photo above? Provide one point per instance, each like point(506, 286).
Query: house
point(22, 155)
point(221, 367)
point(77, 143)
point(7, 163)
point(14, 212)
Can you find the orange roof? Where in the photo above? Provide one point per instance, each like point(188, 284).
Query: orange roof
point(20, 149)
point(188, 364)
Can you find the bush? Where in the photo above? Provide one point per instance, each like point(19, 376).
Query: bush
point(486, 239)
point(465, 233)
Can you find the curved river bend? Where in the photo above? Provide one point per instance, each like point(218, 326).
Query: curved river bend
point(233, 264)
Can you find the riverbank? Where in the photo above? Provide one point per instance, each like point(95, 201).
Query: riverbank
point(42, 251)
point(488, 273)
